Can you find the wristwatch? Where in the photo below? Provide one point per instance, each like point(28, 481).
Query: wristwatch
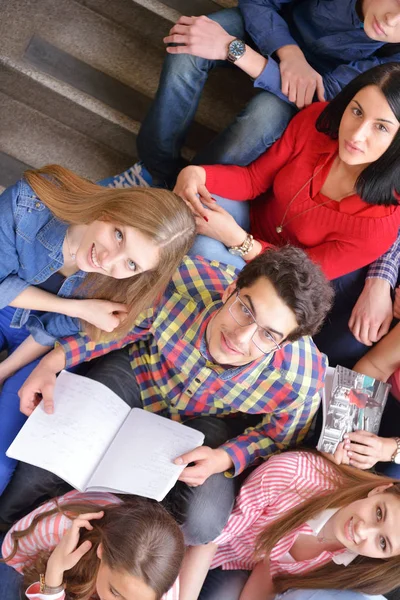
point(47, 589)
point(244, 248)
point(236, 49)
point(396, 454)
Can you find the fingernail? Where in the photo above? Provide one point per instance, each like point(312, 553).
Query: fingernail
point(346, 436)
point(179, 461)
point(205, 218)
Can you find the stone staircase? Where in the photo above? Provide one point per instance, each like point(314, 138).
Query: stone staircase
point(77, 77)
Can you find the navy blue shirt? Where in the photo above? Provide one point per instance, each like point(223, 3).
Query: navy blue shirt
point(329, 33)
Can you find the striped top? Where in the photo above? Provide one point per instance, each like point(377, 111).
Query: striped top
point(48, 533)
point(179, 379)
point(281, 483)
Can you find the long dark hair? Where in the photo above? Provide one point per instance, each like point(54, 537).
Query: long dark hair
point(379, 182)
point(137, 536)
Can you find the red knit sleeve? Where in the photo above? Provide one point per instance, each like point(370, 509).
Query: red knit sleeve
point(246, 183)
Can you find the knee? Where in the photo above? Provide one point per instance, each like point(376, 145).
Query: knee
point(179, 69)
point(269, 114)
point(208, 510)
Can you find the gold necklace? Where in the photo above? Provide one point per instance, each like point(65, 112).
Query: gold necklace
point(72, 255)
point(279, 228)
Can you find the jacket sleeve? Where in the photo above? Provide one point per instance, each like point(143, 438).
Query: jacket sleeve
point(11, 285)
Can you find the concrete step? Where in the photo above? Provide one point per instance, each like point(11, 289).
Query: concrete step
point(34, 139)
point(93, 66)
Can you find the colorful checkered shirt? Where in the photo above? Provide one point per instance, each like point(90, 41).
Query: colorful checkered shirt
point(178, 378)
point(387, 266)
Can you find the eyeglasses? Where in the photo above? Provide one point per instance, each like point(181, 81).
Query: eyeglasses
point(243, 316)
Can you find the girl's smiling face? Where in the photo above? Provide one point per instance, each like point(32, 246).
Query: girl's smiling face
point(118, 251)
point(370, 526)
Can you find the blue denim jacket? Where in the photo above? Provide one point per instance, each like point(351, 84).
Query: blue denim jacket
point(31, 240)
point(329, 33)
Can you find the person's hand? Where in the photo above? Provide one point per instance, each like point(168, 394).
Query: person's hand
point(191, 187)
point(67, 553)
point(103, 314)
point(396, 304)
point(199, 36)
point(208, 461)
point(40, 383)
point(365, 449)
point(220, 225)
point(373, 312)
point(299, 80)
point(339, 457)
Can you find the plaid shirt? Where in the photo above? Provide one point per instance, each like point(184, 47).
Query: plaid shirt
point(387, 266)
point(178, 378)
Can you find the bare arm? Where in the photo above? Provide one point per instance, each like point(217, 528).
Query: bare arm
point(26, 352)
point(384, 358)
point(103, 314)
point(194, 570)
point(201, 36)
point(259, 585)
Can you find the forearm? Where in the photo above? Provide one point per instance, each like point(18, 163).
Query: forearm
point(33, 298)
point(26, 352)
point(259, 585)
point(253, 63)
point(194, 570)
point(54, 361)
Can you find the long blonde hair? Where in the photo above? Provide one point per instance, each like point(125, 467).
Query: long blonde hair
point(363, 574)
point(138, 537)
point(159, 214)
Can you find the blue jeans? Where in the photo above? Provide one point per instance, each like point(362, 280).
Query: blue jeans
point(215, 250)
point(11, 419)
point(228, 585)
point(166, 125)
point(10, 580)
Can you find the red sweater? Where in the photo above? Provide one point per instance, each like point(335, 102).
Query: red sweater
point(340, 236)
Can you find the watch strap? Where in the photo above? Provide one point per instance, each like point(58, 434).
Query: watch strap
point(48, 589)
point(397, 451)
point(245, 247)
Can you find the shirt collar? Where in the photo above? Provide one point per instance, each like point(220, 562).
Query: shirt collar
point(341, 557)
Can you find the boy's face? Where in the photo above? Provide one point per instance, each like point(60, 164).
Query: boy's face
point(382, 20)
point(231, 344)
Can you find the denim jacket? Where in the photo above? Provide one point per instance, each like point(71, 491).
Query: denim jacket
point(31, 240)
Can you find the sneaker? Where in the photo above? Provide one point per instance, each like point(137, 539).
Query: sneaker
point(137, 175)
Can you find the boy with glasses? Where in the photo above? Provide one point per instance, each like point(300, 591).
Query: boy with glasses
point(227, 353)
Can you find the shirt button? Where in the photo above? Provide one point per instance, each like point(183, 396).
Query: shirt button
point(51, 268)
point(37, 204)
point(190, 392)
point(197, 380)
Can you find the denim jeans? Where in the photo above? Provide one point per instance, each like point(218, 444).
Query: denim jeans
point(203, 510)
point(228, 585)
point(165, 127)
point(215, 250)
point(10, 580)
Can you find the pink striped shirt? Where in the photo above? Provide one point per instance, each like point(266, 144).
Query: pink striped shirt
point(48, 533)
point(281, 483)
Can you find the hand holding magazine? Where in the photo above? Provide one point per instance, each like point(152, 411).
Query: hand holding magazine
point(350, 402)
point(96, 442)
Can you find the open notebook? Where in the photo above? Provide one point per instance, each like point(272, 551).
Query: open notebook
point(96, 442)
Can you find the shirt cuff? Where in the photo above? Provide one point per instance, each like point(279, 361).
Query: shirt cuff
point(270, 80)
point(33, 593)
point(38, 331)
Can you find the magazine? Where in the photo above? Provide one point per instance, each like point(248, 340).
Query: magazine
point(96, 442)
point(350, 402)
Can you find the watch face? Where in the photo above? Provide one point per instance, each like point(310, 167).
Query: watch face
point(236, 48)
point(235, 251)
